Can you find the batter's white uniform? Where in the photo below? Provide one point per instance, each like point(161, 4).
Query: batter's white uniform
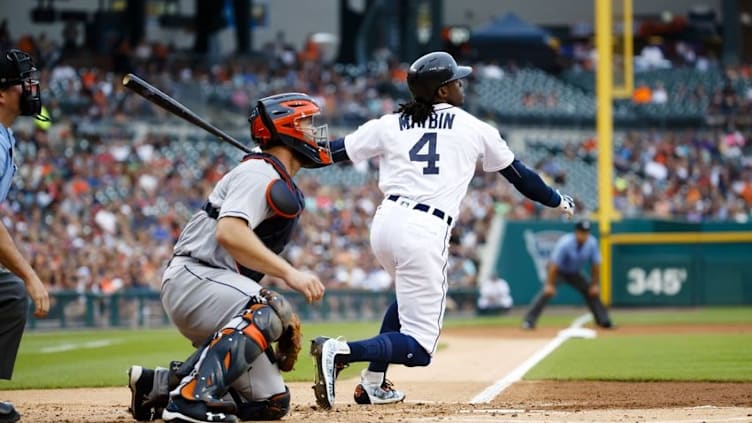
point(424, 172)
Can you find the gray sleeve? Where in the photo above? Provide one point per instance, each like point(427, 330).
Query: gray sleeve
point(245, 194)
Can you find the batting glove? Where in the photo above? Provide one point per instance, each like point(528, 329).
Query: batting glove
point(567, 204)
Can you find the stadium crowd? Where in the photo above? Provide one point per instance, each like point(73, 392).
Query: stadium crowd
point(97, 204)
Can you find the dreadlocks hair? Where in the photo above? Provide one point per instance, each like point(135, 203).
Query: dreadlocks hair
point(418, 111)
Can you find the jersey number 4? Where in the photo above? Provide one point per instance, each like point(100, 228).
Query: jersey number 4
point(430, 157)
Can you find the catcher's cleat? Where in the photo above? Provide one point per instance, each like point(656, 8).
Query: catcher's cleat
point(375, 393)
point(141, 383)
point(326, 369)
point(182, 410)
point(8, 414)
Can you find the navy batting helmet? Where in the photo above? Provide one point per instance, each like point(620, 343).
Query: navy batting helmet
point(281, 119)
point(431, 71)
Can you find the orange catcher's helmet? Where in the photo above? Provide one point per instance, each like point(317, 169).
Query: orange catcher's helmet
point(288, 119)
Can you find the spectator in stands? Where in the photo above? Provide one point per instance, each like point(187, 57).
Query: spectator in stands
point(494, 296)
point(491, 70)
point(66, 173)
point(642, 93)
point(651, 57)
point(659, 95)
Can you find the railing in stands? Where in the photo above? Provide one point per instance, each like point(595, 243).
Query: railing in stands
point(142, 307)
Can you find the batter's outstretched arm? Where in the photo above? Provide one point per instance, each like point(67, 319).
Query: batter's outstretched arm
point(530, 184)
point(339, 154)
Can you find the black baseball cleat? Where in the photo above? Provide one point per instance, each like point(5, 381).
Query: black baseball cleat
point(607, 325)
point(141, 383)
point(527, 325)
point(8, 414)
point(180, 410)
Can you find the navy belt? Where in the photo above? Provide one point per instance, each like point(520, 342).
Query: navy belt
point(211, 210)
point(425, 208)
point(188, 255)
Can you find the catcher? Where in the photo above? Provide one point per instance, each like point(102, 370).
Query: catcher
point(210, 287)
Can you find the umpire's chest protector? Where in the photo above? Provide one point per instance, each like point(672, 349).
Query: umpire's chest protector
point(286, 200)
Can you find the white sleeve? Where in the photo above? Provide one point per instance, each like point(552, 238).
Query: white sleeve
point(365, 142)
point(496, 152)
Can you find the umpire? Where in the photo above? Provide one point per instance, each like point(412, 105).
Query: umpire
point(571, 253)
point(19, 95)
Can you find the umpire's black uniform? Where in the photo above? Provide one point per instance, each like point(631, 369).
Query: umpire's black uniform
point(14, 306)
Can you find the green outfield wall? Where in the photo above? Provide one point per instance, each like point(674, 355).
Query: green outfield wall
point(655, 263)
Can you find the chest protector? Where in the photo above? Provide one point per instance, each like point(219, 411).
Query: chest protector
point(276, 231)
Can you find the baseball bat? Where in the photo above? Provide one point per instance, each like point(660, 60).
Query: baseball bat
point(154, 95)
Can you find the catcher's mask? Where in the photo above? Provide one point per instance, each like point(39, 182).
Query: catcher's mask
point(431, 71)
point(17, 68)
point(289, 119)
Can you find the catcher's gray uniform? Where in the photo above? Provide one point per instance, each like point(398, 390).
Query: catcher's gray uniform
point(201, 287)
point(245, 334)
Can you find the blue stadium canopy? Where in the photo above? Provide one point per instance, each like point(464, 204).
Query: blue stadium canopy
point(509, 28)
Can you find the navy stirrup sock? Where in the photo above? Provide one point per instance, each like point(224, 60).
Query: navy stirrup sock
point(391, 322)
point(390, 347)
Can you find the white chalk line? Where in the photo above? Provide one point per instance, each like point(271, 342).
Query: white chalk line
point(575, 330)
point(550, 416)
point(71, 347)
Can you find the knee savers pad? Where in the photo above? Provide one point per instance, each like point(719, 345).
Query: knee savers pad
point(417, 357)
point(406, 350)
point(266, 321)
point(273, 408)
point(231, 352)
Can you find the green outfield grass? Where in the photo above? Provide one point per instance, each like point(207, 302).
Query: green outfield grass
point(66, 359)
point(57, 359)
point(562, 317)
point(696, 357)
point(706, 357)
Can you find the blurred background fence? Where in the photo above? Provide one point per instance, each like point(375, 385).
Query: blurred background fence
point(133, 308)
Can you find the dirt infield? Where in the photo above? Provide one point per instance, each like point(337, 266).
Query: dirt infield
point(472, 360)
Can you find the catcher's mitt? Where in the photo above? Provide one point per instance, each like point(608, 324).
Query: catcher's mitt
point(289, 343)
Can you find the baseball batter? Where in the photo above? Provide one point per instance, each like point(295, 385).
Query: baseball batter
point(427, 154)
point(210, 288)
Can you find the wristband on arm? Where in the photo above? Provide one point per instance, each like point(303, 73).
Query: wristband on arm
point(337, 148)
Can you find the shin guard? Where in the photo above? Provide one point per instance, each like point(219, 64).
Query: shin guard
point(229, 354)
